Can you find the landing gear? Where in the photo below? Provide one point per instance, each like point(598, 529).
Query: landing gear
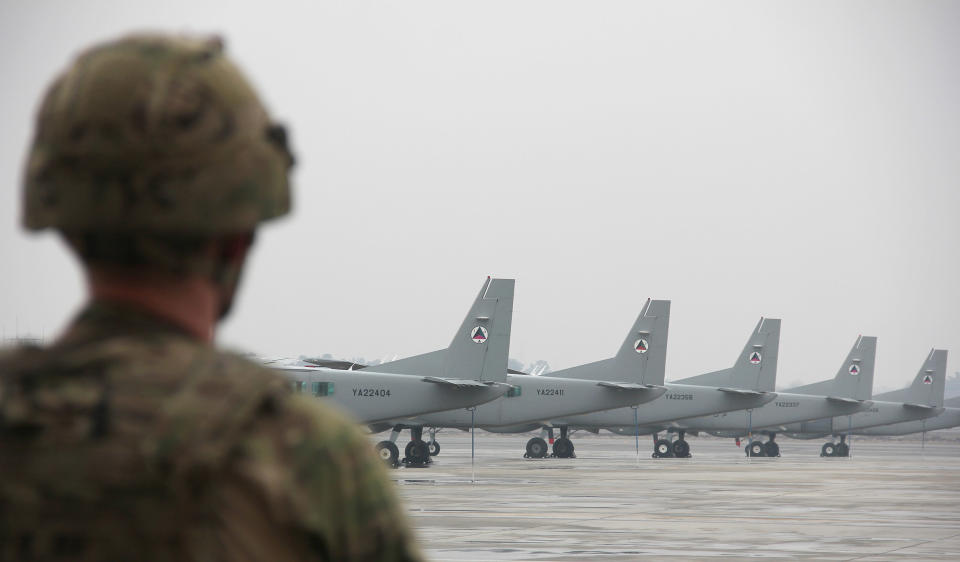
point(843, 449)
point(770, 448)
point(387, 450)
point(662, 448)
point(432, 445)
point(417, 453)
point(563, 447)
point(389, 453)
point(832, 449)
point(755, 449)
point(680, 447)
point(536, 449)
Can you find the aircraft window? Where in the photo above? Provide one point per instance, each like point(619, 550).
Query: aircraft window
point(515, 391)
point(322, 388)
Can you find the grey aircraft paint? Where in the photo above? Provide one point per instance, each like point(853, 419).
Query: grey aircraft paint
point(536, 399)
point(463, 375)
point(840, 396)
point(749, 385)
point(922, 399)
point(950, 417)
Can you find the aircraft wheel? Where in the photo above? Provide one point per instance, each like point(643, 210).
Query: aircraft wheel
point(662, 449)
point(417, 453)
point(681, 449)
point(843, 450)
point(755, 449)
point(563, 448)
point(536, 448)
point(771, 449)
point(829, 449)
point(388, 453)
point(433, 448)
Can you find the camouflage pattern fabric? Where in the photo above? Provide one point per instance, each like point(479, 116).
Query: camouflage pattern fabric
point(128, 440)
point(155, 133)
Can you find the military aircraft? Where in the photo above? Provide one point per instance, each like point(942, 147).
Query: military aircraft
point(535, 399)
point(750, 385)
point(950, 417)
point(848, 392)
point(466, 375)
point(922, 399)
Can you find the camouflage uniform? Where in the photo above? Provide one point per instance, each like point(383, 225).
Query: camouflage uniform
point(127, 438)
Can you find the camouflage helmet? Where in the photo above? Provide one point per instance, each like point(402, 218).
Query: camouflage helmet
point(159, 134)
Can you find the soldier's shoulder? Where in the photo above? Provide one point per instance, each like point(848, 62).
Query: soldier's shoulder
point(315, 462)
point(22, 358)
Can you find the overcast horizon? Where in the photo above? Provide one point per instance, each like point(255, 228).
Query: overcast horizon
point(742, 159)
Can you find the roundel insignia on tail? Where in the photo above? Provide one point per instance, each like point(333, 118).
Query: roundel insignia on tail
point(755, 357)
point(854, 370)
point(478, 334)
point(927, 379)
point(641, 345)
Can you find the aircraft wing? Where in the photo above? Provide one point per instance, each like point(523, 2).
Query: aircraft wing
point(742, 391)
point(459, 383)
point(628, 385)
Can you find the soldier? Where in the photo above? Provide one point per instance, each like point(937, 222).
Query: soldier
point(131, 437)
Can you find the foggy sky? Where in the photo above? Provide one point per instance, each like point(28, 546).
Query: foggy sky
point(793, 160)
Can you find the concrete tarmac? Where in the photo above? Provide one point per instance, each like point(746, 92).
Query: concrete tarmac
point(888, 501)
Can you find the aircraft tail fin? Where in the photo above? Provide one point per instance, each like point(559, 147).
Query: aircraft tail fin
point(480, 347)
point(854, 378)
point(756, 366)
point(641, 358)
point(927, 387)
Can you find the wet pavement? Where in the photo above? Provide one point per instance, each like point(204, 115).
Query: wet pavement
point(888, 501)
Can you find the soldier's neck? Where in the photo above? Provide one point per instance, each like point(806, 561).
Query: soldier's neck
point(191, 303)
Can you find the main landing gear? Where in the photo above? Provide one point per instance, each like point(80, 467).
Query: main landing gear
point(664, 448)
point(833, 449)
point(761, 449)
point(562, 448)
point(417, 453)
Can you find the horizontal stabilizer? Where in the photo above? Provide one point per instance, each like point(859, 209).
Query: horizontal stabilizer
point(459, 383)
point(628, 385)
point(843, 400)
point(919, 406)
point(742, 391)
